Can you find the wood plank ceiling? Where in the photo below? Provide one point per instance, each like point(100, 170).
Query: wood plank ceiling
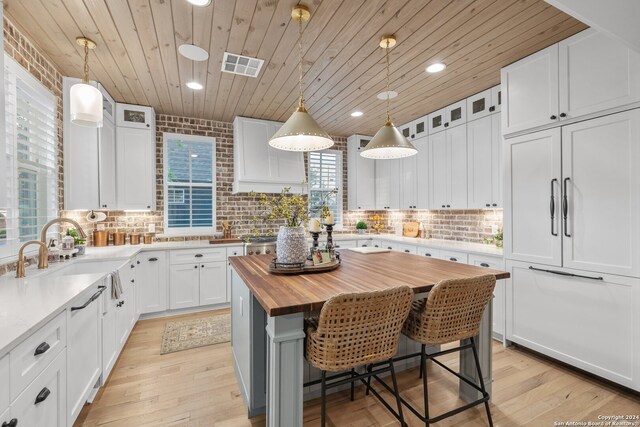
point(137, 59)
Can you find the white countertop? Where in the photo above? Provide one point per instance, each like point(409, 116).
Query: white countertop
point(28, 303)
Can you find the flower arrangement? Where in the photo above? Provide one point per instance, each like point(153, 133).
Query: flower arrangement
point(377, 223)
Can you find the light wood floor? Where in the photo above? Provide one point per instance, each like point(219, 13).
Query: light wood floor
point(198, 388)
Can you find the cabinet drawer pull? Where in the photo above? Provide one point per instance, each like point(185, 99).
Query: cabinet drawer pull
point(337, 246)
point(376, 246)
point(484, 264)
point(41, 349)
point(427, 254)
point(202, 266)
point(42, 396)
point(133, 280)
point(12, 423)
point(553, 117)
point(563, 115)
point(563, 273)
point(138, 262)
point(453, 259)
point(153, 259)
point(389, 247)
point(407, 251)
point(90, 300)
point(364, 246)
point(198, 255)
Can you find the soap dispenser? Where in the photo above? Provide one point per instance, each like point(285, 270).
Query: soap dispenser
point(68, 242)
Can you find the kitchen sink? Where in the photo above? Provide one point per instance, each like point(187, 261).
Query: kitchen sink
point(89, 267)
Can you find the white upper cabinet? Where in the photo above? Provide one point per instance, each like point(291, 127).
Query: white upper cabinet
point(478, 105)
point(533, 198)
point(135, 116)
point(107, 153)
point(422, 174)
point(456, 114)
point(81, 158)
point(581, 77)
point(439, 182)
point(258, 166)
point(497, 148)
point(480, 161)
point(387, 184)
point(136, 161)
point(405, 130)
point(601, 181)
point(437, 120)
point(496, 99)
point(361, 175)
point(409, 182)
point(108, 105)
point(448, 165)
point(530, 91)
point(596, 73)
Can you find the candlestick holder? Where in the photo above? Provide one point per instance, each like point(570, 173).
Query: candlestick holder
point(315, 236)
point(330, 247)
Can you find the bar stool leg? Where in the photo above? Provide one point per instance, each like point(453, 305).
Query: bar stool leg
point(323, 392)
point(369, 368)
point(484, 390)
point(423, 368)
point(396, 391)
point(422, 352)
point(353, 373)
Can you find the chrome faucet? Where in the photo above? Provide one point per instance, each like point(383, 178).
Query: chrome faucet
point(43, 237)
point(42, 257)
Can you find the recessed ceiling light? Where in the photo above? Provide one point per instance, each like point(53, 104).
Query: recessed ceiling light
point(436, 67)
point(194, 85)
point(391, 94)
point(357, 114)
point(200, 2)
point(193, 52)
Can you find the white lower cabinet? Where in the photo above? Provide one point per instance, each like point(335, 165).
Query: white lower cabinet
point(109, 334)
point(584, 319)
point(84, 358)
point(499, 300)
point(43, 403)
point(454, 256)
point(6, 420)
point(429, 252)
point(5, 393)
point(343, 244)
point(151, 281)
point(126, 306)
point(213, 283)
point(184, 286)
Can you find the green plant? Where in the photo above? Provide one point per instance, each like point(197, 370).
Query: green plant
point(496, 239)
point(361, 225)
point(77, 240)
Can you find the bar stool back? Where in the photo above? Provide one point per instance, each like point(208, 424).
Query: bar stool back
point(451, 312)
point(354, 330)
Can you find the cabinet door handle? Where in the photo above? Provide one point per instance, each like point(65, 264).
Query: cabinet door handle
point(494, 204)
point(453, 259)
point(553, 117)
point(133, 280)
point(492, 109)
point(488, 205)
point(153, 259)
point(427, 254)
point(90, 300)
point(195, 266)
point(42, 396)
point(448, 206)
point(563, 273)
point(565, 207)
point(552, 207)
point(389, 247)
point(198, 255)
point(377, 246)
point(563, 115)
point(446, 125)
point(12, 423)
point(364, 246)
point(484, 264)
point(133, 266)
point(41, 349)
point(407, 251)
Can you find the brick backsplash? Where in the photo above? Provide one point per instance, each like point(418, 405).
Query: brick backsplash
point(467, 225)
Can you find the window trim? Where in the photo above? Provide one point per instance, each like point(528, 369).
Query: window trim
point(191, 231)
point(339, 183)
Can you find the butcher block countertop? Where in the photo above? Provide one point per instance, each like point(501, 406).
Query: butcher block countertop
point(288, 294)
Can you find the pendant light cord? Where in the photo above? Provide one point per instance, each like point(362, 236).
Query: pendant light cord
point(301, 104)
point(388, 79)
point(86, 63)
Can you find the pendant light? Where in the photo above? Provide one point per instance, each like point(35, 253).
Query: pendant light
point(300, 132)
point(85, 101)
point(388, 142)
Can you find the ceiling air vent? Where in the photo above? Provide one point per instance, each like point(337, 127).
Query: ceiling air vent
point(243, 65)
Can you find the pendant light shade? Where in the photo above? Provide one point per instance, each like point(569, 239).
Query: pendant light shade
point(85, 101)
point(85, 104)
point(301, 132)
point(388, 142)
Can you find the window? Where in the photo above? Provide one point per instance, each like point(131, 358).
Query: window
point(29, 198)
point(325, 177)
point(189, 188)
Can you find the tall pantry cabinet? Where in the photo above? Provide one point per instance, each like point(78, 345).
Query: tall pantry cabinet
point(572, 214)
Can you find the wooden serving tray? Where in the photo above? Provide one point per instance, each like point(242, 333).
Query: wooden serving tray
point(307, 269)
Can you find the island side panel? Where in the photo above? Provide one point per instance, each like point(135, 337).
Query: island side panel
point(484, 342)
point(286, 370)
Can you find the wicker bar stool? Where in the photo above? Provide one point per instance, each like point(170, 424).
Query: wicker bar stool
point(355, 330)
point(451, 312)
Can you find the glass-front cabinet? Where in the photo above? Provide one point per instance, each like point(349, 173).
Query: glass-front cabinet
point(479, 105)
point(135, 116)
point(456, 114)
point(437, 120)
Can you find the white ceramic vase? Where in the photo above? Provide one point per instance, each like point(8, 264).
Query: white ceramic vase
point(291, 245)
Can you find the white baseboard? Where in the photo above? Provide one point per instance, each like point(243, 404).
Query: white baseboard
point(169, 313)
